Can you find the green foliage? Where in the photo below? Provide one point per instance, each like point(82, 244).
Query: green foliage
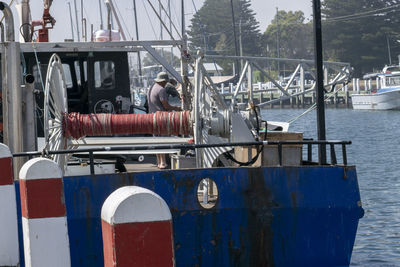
point(211, 29)
point(360, 32)
point(295, 36)
point(356, 31)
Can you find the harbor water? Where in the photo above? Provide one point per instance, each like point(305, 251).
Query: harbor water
point(375, 151)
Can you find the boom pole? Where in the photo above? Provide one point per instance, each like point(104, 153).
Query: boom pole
point(320, 80)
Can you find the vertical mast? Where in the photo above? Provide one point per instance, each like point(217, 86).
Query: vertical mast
point(101, 16)
point(77, 22)
point(111, 5)
point(25, 17)
point(184, 64)
point(234, 37)
point(83, 23)
point(70, 17)
point(320, 79)
point(170, 30)
point(137, 38)
point(278, 46)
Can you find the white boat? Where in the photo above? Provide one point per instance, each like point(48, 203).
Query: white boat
point(387, 97)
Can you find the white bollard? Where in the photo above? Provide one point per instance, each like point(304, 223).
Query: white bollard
point(137, 229)
point(44, 221)
point(9, 249)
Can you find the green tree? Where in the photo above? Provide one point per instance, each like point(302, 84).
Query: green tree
point(360, 32)
point(295, 36)
point(211, 29)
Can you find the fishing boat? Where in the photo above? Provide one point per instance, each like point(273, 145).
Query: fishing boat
point(237, 194)
point(387, 97)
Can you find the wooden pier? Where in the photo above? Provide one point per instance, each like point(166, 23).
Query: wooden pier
point(263, 93)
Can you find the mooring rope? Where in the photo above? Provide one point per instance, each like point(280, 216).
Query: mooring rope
point(313, 106)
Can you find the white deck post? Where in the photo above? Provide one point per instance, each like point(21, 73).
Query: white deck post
point(9, 248)
point(44, 221)
point(137, 229)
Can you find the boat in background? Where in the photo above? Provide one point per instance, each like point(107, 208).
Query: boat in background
point(387, 97)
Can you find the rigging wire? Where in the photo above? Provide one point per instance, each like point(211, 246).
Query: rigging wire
point(174, 8)
point(314, 106)
point(170, 19)
point(123, 21)
point(364, 16)
point(148, 17)
point(162, 22)
point(356, 15)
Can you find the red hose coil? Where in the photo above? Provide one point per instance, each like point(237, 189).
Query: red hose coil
point(78, 125)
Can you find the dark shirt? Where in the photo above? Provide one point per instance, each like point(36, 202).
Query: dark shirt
point(156, 94)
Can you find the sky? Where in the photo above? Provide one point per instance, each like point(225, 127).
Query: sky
point(149, 27)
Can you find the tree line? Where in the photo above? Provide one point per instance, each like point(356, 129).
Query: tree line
point(364, 33)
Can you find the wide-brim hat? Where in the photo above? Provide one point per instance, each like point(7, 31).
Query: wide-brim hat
point(162, 77)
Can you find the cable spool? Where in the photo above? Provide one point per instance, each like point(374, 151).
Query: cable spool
point(60, 126)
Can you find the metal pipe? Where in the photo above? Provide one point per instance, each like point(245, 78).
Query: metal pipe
point(186, 102)
point(276, 59)
point(137, 39)
point(320, 80)
point(30, 140)
point(84, 30)
point(182, 146)
point(25, 19)
point(111, 5)
point(234, 36)
point(101, 16)
point(2, 32)
point(72, 23)
point(77, 23)
point(8, 16)
point(83, 22)
point(11, 89)
point(197, 127)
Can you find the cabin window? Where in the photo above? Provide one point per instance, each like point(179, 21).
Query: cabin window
point(78, 72)
point(104, 75)
point(394, 80)
point(68, 77)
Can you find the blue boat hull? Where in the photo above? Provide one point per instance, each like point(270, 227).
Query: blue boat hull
point(275, 216)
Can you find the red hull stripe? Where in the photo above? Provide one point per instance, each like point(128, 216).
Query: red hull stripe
point(138, 244)
point(6, 171)
point(42, 198)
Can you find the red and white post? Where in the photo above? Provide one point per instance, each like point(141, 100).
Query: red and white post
point(44, 221)
point(137, 229)
point(9, 250)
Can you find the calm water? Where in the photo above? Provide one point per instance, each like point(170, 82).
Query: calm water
point(376, 153)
